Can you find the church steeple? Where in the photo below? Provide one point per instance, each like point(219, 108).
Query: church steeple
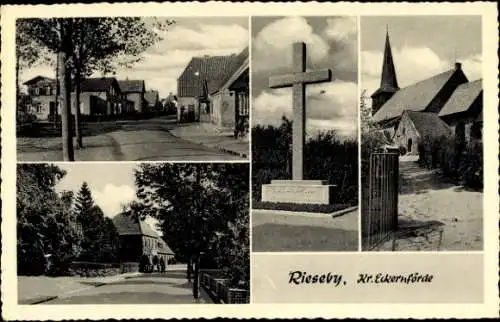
point(388, 80)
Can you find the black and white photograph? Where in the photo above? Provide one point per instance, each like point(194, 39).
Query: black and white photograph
point(136, 233)
point(151, 88)
point(304, 134)
point(421, 133)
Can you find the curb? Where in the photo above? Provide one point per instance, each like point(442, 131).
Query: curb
point(334, 214)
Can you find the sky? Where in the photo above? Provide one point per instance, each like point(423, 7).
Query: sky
point(422, 46)
point(331, 43)
point(163, 63)
point(111, 184)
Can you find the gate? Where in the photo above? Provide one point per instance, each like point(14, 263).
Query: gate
point(381, 219)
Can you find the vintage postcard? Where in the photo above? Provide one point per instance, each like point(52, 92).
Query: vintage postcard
point(285, 160)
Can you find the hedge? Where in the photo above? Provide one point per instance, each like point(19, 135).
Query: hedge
point(457, 160)
point(298, 207)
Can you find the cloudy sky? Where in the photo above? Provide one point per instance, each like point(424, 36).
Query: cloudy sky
point(422, 46)
point(331, 43)
point(188, 37)
point(111, 184)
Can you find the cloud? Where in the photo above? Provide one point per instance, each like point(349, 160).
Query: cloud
point(163, 63)
point(208, 36)
point(271, 46)
point(330, 106)
point(341, 28)
point(111, 198)
point(413, 64)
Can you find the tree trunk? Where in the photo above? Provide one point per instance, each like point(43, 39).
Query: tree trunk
point(67, 133)
point(17, 87)
point(196, 282)
point(78, 132)
point(189, 270)
point(57, 95)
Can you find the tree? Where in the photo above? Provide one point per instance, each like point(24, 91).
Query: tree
point(84, 200)
point(86, 45)
point(46, 228)
point(98, 42)
point(26, 53)
point(199, 207)
point(100, 240)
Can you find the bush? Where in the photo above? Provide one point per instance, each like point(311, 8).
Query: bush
point(327, 157)
point(457, 160)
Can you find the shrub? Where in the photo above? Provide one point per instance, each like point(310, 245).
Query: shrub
point(457, 160)
point(327, 157)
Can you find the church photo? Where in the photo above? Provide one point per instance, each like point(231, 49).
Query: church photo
point(304, 133)
point(421, 133)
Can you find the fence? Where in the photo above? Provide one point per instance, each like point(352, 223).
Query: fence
point(381, 219)
point(217, 289)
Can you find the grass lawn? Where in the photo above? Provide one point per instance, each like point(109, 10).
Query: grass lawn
point(275, 238)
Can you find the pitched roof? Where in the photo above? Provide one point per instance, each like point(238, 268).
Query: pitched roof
point(37, 79)
point(127, 224)
point(204, 75)
point(164, 249)
point(131, 86)
point(98, 84)
point(462, 98)
point(428, 124)
point(415, 97)
point(152, 97)
point(239, 65)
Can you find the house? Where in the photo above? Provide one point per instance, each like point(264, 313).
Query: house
point(214, 89)
point(463, 111)
point(134, 90)
point(100, 96)
point(447, 101)
point(42, 91)
point(153, 100)
point(193, 83)
point(229, 103)
point(138, 239)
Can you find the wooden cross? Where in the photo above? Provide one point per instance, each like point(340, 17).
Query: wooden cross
point(298, 80)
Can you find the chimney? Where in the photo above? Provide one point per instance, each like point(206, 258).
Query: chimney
point(458, 66)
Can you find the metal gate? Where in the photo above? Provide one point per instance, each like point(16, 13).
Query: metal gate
point(382, 216)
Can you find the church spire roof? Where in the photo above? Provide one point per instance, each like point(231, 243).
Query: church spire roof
point(388, 82)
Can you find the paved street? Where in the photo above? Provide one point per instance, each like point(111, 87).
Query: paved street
point(172, 288)
point(136, 140)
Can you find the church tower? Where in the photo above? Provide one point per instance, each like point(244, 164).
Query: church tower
point(388, 81)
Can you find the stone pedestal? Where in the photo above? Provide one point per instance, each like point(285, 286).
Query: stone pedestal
point(298, 191)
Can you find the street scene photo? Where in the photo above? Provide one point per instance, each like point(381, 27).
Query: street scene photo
point(118, 233)
point(421, 133)
point(132, 89)
point(304, 134)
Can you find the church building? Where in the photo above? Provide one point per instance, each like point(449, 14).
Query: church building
point(443, 104)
